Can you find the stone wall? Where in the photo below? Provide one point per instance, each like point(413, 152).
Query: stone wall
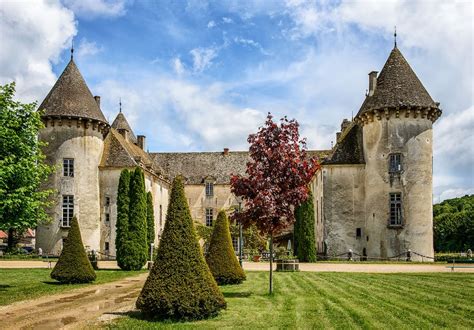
point(412, 138)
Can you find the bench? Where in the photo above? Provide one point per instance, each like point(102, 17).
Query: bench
point(454, 266)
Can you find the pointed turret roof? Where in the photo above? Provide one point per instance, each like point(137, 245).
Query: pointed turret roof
point(70, 97)
point(397, 86)
point(121, 122)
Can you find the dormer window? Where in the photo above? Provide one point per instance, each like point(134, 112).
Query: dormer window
point(395, 163)
point(209, 189)
point(68, 167)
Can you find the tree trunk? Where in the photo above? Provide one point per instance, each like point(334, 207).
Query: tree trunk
point(271, 264)
point(12, 239)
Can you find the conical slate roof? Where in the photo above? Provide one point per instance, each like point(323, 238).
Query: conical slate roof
point(397, 86)
point(121, 122)
point(70, 97)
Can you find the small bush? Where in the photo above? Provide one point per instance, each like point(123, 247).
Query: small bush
point(180, 285)
point(73, 265)
point(221, 256)
point(305, 241)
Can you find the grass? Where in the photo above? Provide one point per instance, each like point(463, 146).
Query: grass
point(338, 300)
point(23, 284)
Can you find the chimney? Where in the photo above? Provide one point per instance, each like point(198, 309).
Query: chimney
point(226, 151)
point(97, 100)
point(344, 124)
point(124, 133)
point(372, 82)
point(141, 139)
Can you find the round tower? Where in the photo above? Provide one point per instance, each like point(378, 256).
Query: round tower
point(397, 117)
point(74, 132)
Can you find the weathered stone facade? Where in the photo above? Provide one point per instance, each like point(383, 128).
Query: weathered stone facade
point(372, 194)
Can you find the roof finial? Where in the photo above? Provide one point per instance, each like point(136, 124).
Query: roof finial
point(72, 48)
point(395, 36)
point(120, 104)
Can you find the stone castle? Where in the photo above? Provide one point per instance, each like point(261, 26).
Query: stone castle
point(372, 195)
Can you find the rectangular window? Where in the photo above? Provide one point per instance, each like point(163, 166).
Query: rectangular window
point(395, 165)
point(209, 217)
point(68, 167)
point(161, 216)
point(107, 246)
point(68, 210)
point(235, 244)
point(209, 189)
point(107, 217)
point(107, 201)
point(358, 232)
point(396, 209)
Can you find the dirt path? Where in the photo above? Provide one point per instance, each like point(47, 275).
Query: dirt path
point(73, 309)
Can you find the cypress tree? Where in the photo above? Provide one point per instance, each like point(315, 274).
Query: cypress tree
point(136, 248)
point(180, 285)
point(150, 219)
point(121, 232)
point(221, 257)
point(73, 265)
point(305, 247)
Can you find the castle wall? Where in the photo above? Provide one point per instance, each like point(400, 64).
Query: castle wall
point(411, 136)
point(83, 143)
point(343, 208)
point(109, 180)
point(198, 202)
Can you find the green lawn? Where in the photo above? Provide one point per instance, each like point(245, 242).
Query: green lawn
point(22, 284)
point(339, 300)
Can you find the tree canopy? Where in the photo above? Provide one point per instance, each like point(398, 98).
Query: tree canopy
point(22, 167)
point(453, 224)
point(121, 231)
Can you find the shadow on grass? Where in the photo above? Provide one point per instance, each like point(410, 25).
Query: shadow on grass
point(137, 315)
point(4, 287)
point(54, 283)
point(237, 294)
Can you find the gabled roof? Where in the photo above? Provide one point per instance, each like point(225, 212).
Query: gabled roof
point(397, 86)
point(70, 97)
point(119, 152)
point(121, 122)
point(349, 149)
point(197, 166)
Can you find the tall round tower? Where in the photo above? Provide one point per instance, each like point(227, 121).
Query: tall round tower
point(397, 117)
point(74, 132)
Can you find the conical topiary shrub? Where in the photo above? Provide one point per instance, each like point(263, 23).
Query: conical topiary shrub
point(221, 256)
point(73, 265)
point(180, 285)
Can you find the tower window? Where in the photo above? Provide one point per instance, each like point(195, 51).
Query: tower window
point(395, 163)
point(209, 217)
point(358, 232)
point(68, 210)
point(68, 167)
point(107, 217)
point(209, 189)
point(107, 201)
point(161, 216)
point(396, 209)
point(107, 246)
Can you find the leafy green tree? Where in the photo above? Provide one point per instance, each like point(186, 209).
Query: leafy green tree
point(73, 265)
point(221, 256)
point(136, 248)
point(121, 226)
point(22, 167)
point(305, 247)
point(180, 285)
point(150, 219)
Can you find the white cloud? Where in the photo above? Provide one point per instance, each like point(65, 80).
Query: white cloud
point(227, 20)
point(33, 37)
point(202, 58)
point(178, 66)
point(88, 48)
point(211, 24)
point(89, 9)
point(253, 43)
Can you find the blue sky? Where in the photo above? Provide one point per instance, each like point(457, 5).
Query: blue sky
point(198, 75)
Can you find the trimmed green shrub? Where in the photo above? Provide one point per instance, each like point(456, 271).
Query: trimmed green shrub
point(73, 265)
point(180, 285)
point(121, 227)
point(136, 249)
point(221, 255)
point(305, 247)
point(150, 219)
